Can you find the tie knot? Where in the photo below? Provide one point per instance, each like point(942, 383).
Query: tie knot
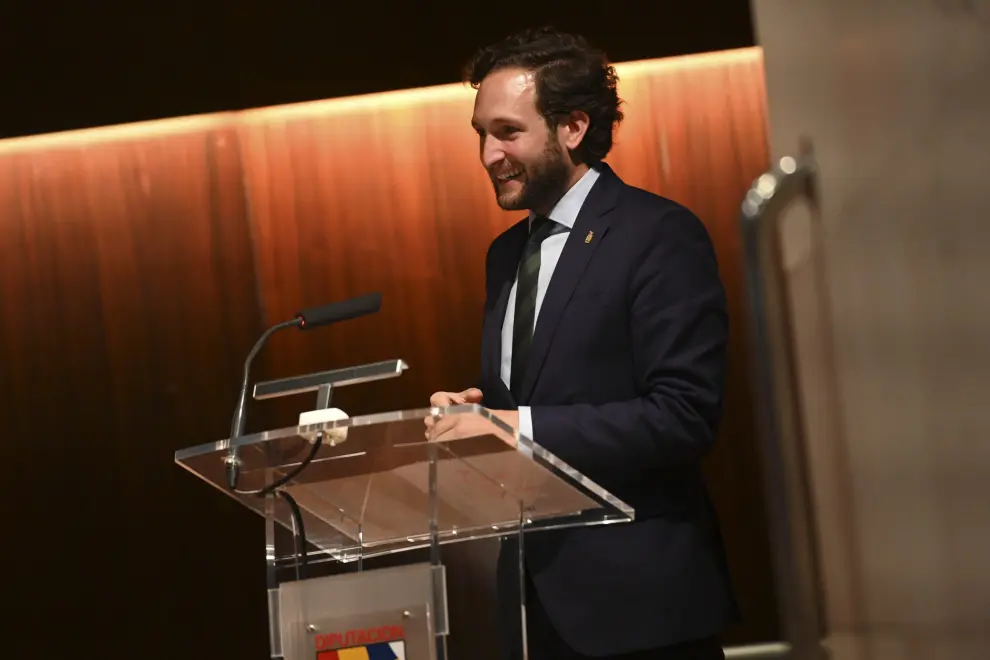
point(541, 228)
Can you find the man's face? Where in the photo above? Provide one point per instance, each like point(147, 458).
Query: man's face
point(525, 160)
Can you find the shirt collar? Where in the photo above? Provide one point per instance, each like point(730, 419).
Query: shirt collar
point(566, 210)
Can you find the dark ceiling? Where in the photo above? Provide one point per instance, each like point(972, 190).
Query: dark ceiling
point(78, 64)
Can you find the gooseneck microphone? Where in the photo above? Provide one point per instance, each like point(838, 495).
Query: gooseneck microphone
point(345, 310)
point(308, 319)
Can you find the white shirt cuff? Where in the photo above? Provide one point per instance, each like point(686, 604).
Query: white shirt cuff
point(525, 430)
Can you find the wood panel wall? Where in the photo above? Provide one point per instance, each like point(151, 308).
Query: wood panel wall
point(127, 285)
point(140, 263)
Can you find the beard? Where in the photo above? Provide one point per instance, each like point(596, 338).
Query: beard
point(541, 183)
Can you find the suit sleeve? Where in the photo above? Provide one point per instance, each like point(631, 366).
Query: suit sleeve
point(678, 331)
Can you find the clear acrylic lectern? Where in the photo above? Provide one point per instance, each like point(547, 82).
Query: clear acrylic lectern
point(346, 490)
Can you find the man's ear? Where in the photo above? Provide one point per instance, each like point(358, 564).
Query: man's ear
point(572, 129)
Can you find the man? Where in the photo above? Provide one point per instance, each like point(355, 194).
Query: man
point(605, 341)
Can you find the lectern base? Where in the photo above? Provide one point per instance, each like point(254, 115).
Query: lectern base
point(393, 613)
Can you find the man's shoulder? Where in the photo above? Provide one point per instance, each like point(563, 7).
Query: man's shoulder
point(643, 213)
point(633, 199)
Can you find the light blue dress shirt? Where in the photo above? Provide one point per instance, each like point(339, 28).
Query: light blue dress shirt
point(565, 212)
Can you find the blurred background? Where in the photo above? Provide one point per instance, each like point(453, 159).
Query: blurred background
point(175, 178)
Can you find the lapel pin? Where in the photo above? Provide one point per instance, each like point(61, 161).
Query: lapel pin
point(591, 235)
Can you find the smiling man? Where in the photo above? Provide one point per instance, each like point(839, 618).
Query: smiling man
point(604, 340)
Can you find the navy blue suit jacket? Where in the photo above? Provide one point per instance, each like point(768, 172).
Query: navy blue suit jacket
point(625, 384)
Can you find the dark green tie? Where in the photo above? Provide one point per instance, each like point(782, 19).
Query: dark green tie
point(526, 288)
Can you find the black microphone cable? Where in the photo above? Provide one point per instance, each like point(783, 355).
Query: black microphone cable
point(305, 320)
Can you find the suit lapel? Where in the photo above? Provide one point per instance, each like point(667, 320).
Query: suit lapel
point(504, 265)
point(589, 229)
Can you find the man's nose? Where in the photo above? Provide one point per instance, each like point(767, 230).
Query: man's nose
point(491, 152)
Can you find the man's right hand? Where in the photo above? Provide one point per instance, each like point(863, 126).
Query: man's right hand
point(435, 428)
point(444, 399)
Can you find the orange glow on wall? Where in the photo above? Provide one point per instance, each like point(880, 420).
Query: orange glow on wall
point(157, 128)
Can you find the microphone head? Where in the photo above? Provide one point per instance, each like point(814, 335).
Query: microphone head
point(316, 317)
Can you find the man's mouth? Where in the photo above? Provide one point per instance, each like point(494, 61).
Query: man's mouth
point(502, 178)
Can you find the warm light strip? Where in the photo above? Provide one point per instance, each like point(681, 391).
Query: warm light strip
point(687, 62)
point(366, 102)
point(145, 129)
point(452, 91)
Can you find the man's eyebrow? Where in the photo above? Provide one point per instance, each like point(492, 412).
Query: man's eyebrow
point(498, 121)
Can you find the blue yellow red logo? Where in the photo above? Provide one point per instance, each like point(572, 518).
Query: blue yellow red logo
point(377, 643)
point(377, 651)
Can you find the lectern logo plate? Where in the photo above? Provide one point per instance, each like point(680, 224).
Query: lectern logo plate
point(378, 651)
point(378, 643)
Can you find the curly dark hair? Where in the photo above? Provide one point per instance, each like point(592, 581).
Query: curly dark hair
point(570, 75)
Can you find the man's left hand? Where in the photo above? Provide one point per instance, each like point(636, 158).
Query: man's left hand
point(457, 426)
